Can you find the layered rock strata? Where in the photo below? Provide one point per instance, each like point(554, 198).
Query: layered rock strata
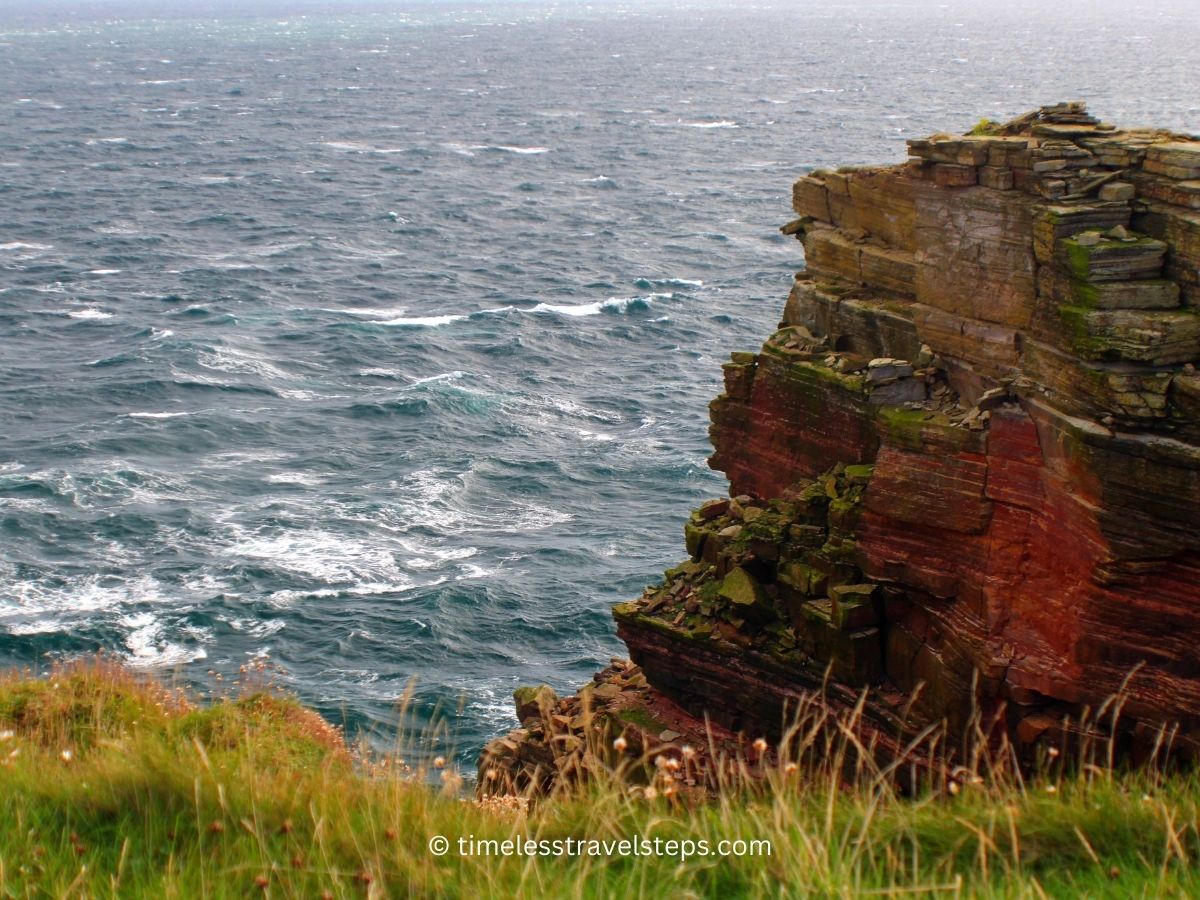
point(965, 471)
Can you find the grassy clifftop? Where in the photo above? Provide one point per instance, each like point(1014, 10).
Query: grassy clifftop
point(111, 785)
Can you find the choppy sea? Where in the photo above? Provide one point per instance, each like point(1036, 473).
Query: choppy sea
point(377, 342)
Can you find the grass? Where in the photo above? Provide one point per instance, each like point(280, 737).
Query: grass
point(113, 786)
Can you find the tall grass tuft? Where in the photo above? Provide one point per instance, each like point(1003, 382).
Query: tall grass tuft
point(112, 785)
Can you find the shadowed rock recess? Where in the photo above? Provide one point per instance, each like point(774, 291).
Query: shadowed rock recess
point(964, 472)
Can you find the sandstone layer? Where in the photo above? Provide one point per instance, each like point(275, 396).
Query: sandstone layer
point(965, 471)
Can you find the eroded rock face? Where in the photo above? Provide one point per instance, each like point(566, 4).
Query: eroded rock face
point(1028, 299)
point(965, 470)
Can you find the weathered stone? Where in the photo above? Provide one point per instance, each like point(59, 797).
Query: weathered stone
point(739, 375)
point(1180, 230)
point(951, 175)
point(974, 256)
point(1053, 222)
point(810, 197)
point(694, 537)
point(898, 392)
point(853, 606)
point(923, 489)
point(884, 369)
point(1156, 337)
point(882, 200)
point(534, 702)
point(995, 348)
point(1178, 159)
point(741, 589)
point(967, 151)
point(888, 270)
point(1112, 259)
point(754, 441)
point(1150, 293)
point(1117, 190)
point(1135, 396)
point(1168, 190)
point(868, 327)
point(996, 177)
point(829, 253)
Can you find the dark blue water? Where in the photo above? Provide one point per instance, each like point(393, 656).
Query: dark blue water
point(378, 344)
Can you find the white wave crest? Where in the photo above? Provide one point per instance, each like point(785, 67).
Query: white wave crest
point(360, 147)
point(619, 304)
point(435, 321)
point(422, 321)
point(89, 312)
point(302, 478)
point(508, 148)
point(148, 648)
point(13, 246)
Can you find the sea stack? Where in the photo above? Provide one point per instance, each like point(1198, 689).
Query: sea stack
point(965, 471)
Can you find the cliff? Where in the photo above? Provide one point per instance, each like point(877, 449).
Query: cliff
point(965, 471)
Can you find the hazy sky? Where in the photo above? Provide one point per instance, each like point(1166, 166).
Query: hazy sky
point(36, 12)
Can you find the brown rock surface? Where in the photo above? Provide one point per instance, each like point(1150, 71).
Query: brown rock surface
point(983, 402)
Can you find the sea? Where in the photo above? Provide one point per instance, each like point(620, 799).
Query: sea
point(369, 347)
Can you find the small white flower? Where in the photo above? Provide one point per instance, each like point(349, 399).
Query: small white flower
point(67, 755)
point(1051, 789)
point(620, 744)
point(439, 762)
point(760, 745)
point(7, 735)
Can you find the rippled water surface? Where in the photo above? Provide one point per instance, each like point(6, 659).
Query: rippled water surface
point(379, 344)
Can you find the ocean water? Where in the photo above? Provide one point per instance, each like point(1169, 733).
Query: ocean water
point(376, 342)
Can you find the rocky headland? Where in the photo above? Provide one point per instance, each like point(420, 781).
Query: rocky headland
point(964, 472)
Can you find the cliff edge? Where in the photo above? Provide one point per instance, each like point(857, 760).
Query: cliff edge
point(965, 471)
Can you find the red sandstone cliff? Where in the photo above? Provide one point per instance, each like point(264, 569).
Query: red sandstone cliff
point(966, 469)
